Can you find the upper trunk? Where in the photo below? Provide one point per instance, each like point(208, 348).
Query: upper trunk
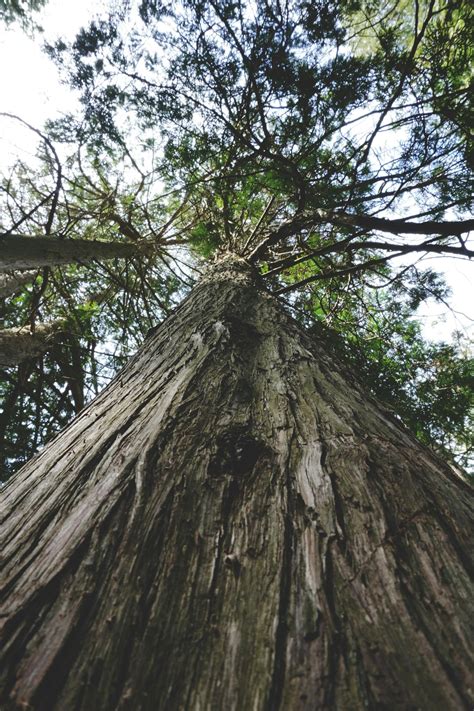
point(235, 524)
point(17, 252)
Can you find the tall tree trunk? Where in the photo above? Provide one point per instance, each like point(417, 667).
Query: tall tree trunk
point(13, 281)
point(235, 524)
point(17, 252)
point(20, 343)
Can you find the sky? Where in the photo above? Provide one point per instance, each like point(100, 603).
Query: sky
point(30, 88)
point(29, 81)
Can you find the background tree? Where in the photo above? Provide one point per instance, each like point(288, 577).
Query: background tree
point(106, 300)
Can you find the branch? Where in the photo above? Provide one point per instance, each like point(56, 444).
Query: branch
point(335, 274)
point(348, 246)
point(430, 227)
point(366, 222)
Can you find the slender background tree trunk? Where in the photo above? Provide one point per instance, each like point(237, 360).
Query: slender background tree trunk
point(19, 344)
point(12, 281)
point(235, 524)
point(18, 252)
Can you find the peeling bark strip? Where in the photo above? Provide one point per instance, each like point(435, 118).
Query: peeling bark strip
point(18, 252)
point(234, 524)
point(19, 344)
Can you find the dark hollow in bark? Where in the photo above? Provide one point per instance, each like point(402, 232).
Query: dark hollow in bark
point(235, 524)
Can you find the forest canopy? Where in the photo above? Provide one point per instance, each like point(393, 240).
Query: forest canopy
point(328, 144)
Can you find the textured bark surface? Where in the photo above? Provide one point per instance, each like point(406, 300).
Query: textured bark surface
point(234, 524)
point(18, 252)
point(12, 281)
point(19, 344)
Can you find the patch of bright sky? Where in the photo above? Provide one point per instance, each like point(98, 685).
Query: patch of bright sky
point(439, 321)
point(29, 82)
point(30, 88)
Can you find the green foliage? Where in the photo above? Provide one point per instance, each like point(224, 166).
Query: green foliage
point(21, 11)
point(265, 94)
point(227, 126)
point(107, 312)
point(375, 332)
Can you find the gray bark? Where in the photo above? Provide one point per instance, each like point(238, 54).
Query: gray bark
point(17, 252)
point(19, 344)
point(235, 524)
point(11, 282)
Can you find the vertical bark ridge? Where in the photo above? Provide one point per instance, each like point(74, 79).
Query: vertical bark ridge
point(281, 633)
point(234, 523)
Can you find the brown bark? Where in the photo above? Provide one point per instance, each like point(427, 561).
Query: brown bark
point(235, 524)
point(19, 344)
point(17, 252)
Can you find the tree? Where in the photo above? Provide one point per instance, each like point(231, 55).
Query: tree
point(95, 275)
point(263, 135)
point(330, 144)
point(228, 526)
point(27, 339)
point(234, 521)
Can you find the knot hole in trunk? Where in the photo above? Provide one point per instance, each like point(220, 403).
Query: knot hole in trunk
point(236, 455)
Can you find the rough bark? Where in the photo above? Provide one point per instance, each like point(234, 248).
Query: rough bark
point(17, 252)
point(19, 344)
point(11, 282)
point(235, 524)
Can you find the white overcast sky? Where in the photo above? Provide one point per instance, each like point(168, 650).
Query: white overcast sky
point(30, 88)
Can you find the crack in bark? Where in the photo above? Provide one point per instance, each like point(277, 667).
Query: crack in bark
point(330, 685)
point(275, 693)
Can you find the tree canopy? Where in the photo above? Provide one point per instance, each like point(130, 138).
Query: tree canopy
point(21, 11)
point(326, 143)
